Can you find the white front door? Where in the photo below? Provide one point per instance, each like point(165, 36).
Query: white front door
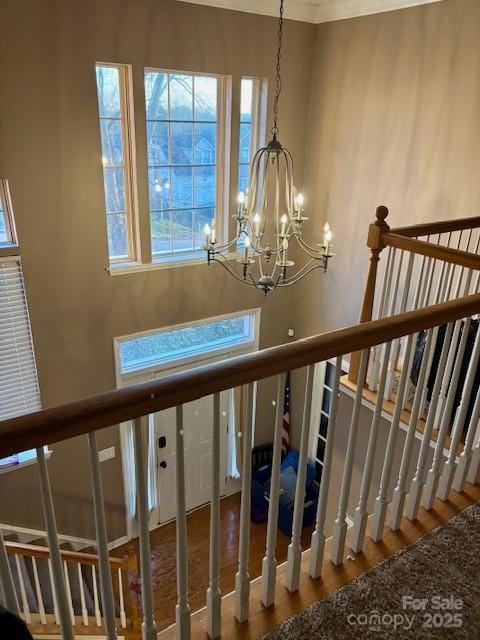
point(198, 430)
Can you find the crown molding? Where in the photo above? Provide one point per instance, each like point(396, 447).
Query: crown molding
point(314, 11)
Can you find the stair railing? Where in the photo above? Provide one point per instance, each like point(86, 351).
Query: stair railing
point(398, 492)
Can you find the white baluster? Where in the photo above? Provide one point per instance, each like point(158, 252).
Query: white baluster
point(381, 503)
point(214, 596)
point(433, 475)
point(182, 611)
point(465, 457)
point(242, 578)
point(418, 481)
point(23, 594)
point(6, 580)
point(96, 604)
point(82, 596)
point(395, 352)
point(376, 350)
point(38, 591)
point(399, 494)
point(54, 597)
point(56, 565)
point(318, 536)
point(472, 474)
point(449, 468)
point(269, 564)
point(106, 588)
point(69, 592)
point(123, 615)
point(340, 526)
point(361, 513)
point(148, 625)
point(294, 554)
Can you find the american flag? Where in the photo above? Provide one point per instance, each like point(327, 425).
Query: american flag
point(286, 416)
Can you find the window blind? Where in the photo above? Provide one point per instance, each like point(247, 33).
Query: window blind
point(19, 390)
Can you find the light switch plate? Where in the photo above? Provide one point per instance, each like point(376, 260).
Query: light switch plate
point(106, 454)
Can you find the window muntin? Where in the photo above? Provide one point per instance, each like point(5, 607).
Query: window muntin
point(182, 147)
point(184, 341)
point(116, 136)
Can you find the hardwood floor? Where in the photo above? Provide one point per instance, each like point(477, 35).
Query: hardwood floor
point(162, 542)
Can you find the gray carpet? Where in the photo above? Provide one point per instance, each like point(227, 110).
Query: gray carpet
point(441, 571)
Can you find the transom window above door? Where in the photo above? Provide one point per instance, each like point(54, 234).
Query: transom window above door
point(200, 130)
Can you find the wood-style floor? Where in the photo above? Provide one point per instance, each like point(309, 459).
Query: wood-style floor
point(162, 541)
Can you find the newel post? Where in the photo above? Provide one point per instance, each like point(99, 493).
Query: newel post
point(376, 244)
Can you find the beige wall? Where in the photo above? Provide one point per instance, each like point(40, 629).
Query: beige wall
point(50, 152)
point(394, 116)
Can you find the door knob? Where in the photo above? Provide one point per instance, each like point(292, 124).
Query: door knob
point(163, 464)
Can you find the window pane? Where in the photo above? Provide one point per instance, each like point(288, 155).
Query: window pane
point(3, 227)
point(205, 143)
point(156, 95)
point(117, 235)
point(112, 145)
point(205, 99)
point(245, 142)
point(159, 188)
point(201, 218)
point(181, 187)
point(182, 141)
point(157, 142)
point(246, 97)
point(173, 344)
point(243, 173)
point(108, 87)
point(204, 186)
point(181, 97)
point(182, 231)
point(161, 231)
point(114, 189)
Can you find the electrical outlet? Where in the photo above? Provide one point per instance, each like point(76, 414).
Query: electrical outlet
point(106, 454)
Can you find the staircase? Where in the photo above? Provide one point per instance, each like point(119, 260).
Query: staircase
point(430, 281)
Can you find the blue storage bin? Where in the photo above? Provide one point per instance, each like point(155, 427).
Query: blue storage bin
point(260, 501)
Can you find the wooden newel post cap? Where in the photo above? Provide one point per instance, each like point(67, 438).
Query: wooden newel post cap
point(381, 214)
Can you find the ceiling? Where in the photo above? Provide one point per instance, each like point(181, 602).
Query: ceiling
point(315, 11)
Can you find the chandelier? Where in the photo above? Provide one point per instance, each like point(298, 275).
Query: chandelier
point(269, 218)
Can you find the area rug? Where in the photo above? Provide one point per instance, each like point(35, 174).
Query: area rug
point(430, 589)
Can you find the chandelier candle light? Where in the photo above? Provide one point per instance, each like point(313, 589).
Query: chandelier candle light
point(269, 218)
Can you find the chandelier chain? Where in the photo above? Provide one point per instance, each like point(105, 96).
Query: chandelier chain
point(278, 78)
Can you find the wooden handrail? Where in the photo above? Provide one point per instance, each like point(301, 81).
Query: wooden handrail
point(446, 254)
point(36, 551)
point(433, 228)
point(113, 407)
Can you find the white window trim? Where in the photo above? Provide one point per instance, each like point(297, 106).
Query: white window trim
point(222, 166)
point(127, 120)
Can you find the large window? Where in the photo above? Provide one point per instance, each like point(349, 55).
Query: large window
point(114, 106)
point(19, 390)
point(184, 341)
point(182, 136)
